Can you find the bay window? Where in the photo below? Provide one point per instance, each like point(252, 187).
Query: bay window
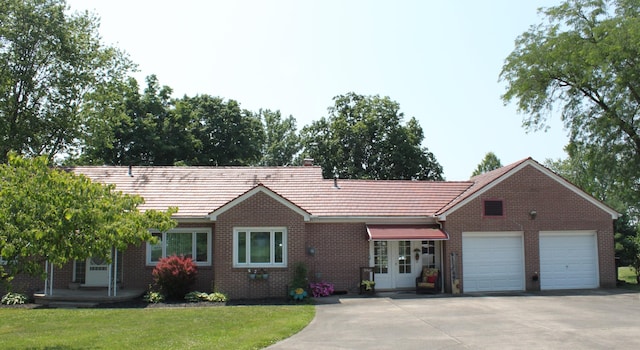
point(260, 247)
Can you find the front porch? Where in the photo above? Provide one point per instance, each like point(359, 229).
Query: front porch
point(84, 297)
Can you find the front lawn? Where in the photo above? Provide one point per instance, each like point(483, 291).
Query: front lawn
point(225, 327)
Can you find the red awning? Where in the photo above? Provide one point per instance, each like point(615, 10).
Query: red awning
point(405, 232)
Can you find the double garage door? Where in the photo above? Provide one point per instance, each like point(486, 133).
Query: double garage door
point(494, 261)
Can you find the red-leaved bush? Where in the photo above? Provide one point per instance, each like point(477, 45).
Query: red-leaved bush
point(175, 275)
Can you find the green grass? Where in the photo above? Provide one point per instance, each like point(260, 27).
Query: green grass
point(229, 327)
point(628, 275)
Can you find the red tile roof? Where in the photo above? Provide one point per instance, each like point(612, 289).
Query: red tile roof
point(197, 191)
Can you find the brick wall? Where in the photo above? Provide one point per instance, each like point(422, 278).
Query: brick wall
point(137, 275)
point(341, 249)
point(259, 210)
point(557, 207)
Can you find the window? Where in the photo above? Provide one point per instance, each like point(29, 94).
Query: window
point(493, 208)
point(188, 242)
point(260, 247)
point(381, 256)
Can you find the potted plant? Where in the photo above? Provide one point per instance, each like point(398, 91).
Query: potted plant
point(252, 274)
point(368, 285)
point(297, 288)
point(298, 294)
point(264, 274)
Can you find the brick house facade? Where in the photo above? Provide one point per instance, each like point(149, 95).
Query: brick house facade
point(325, 225)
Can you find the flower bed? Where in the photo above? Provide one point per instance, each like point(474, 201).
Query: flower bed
point(321, 289)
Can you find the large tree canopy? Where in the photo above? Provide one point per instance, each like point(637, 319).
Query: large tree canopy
point(57, 216)
point(585, 61)
point(364, 138)
point(130, 128)
point(153, 129)
point(49, 61)
point(225, 134)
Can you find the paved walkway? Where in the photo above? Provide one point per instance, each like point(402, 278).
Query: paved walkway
point(597, 319)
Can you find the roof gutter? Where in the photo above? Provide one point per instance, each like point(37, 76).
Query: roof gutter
point(406, 220)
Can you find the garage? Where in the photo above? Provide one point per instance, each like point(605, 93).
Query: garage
point(492, 261)
point(568, 260)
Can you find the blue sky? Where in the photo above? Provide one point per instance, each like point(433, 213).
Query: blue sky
point(440, 60)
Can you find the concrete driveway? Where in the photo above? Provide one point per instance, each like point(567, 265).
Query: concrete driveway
point(595, 319)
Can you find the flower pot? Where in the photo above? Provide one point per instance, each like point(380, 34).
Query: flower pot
point(265, 276)
point(252, 276)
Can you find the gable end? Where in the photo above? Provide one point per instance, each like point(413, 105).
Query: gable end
point(213, 216)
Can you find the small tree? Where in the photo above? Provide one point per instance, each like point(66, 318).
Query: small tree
point(489, 163)
point(54, 215)
point(175, 275)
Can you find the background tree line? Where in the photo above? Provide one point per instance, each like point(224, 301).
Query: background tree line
point(66, 95)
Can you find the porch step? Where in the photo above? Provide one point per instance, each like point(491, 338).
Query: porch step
point(67, 298)
point(70, 304)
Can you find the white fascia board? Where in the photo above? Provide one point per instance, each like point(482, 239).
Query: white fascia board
point(405, 220)
point(191, 219)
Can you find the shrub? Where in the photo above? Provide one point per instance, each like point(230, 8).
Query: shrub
point(153, 297)
point(299, 276)
point(175, 275)
point(14, 299)
point(216, 297)
point(321, 289)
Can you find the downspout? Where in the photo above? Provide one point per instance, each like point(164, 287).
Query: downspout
point(115, 271)
point(51, 282)
point(452, 260)
point(46, 280)
point(109, 273)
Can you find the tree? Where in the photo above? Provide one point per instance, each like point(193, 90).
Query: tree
point(584, 60)
point(598, 182)
point(282, 142)
point(489, 163)
point(137, 129)
point(225, 133)
point(57, 216)
point(49, 61)
point(363, 138)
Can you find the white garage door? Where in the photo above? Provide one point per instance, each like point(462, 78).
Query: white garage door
point(568, 260)
point(492, 261)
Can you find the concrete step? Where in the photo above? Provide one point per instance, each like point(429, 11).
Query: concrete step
point(70, 304)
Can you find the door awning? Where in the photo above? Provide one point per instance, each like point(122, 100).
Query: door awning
point(405, 232)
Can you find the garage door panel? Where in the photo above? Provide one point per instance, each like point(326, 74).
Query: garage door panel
point(492, 262)
point(568, 260)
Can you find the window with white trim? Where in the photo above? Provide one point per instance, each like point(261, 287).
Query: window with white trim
point(259, 247)
point(194, 243)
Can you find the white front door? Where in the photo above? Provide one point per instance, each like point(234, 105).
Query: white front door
point(394, 264)
point(97, 273)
